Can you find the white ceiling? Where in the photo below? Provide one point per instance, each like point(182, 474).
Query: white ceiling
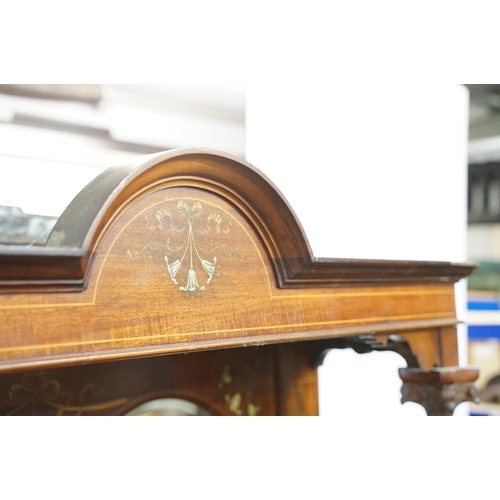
point(229, 97)
point(61, 142)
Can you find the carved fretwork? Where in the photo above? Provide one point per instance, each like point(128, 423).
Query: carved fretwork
point(441, 390)
point(363, 344)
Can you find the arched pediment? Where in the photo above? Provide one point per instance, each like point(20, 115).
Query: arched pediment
point(195, 249)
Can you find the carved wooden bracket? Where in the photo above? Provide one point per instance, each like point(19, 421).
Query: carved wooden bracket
point(441, 390)
point(363, 344)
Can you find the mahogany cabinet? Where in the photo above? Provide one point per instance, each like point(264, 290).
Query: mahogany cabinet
point(183, 284)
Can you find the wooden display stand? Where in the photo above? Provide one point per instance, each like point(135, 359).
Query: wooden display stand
point(183, 284)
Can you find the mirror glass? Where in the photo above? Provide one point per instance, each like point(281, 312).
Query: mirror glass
point(168, 407)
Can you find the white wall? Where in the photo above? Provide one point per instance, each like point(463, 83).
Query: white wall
point(389, 163)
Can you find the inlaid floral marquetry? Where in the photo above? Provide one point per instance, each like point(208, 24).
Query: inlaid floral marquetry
point(235, 401)
point(192, 241)
point(36, 393)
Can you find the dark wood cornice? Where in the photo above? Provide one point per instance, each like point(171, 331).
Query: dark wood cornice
point(64, 263)
point(331, 272)
point(32, 269)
